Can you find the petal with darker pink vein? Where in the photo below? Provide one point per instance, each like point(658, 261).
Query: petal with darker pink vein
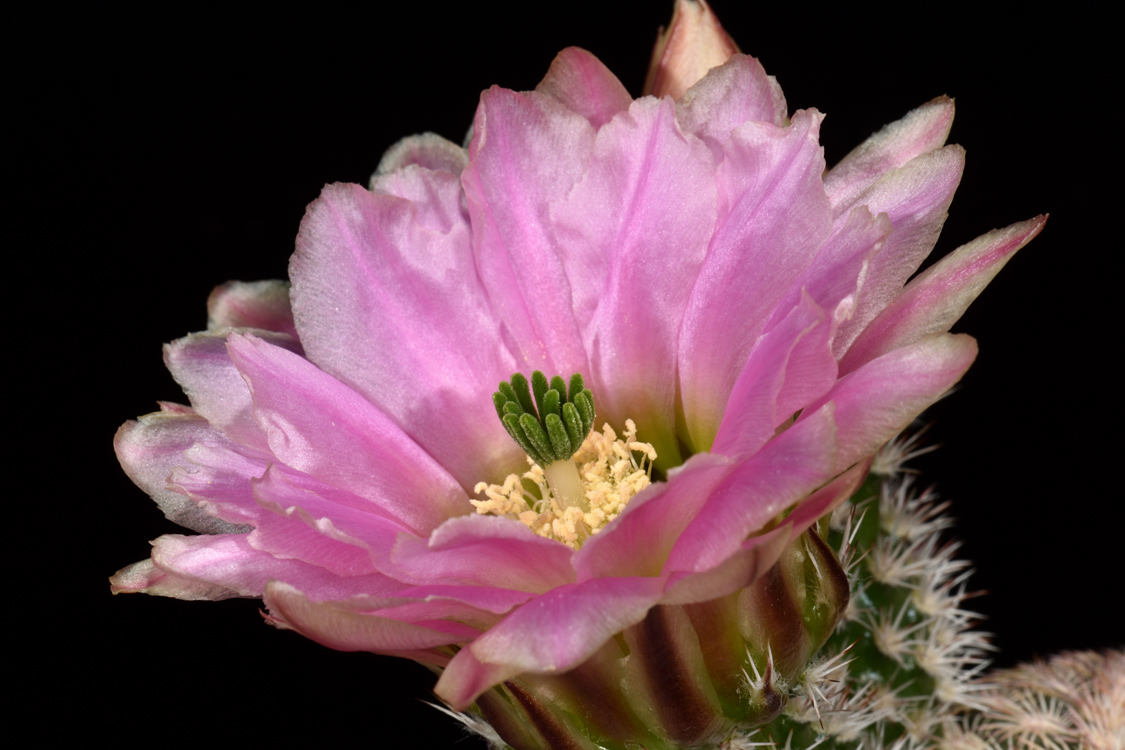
point(937, 298)
point(337, 625)
point(773, 217)
point(555, 632)
point(916, 198)
point(580, 81)
point(746, 564)
point(251, 304)
point(489, 599)
point(788, 367)
point(320, 426)
point(151, 448)
point(388, 301)
point(838, 272)
point(922, 130)
point(878, 400)
point(229, 561)
point(638, 541)
point(784, 472)
point(632, 236)
point(483, 551)
point(217, 476)
point(527, 151)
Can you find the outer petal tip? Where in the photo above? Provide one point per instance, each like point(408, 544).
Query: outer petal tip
point(693, 43)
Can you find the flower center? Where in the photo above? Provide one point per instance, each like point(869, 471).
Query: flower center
point(579, 479)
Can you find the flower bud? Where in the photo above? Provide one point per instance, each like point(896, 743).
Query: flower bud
point(693, 43)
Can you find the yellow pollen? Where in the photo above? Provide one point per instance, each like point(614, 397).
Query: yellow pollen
point(611, 473)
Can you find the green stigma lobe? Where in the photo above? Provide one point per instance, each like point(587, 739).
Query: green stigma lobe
point(547, 419)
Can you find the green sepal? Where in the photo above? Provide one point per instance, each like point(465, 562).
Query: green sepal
point(576, 386)
point(560, 442)
point(573, 424)
point(559, 385)
point(539, 388)
point(499, 400)
point(523, 394)
point(550, 404)
point(537, 437)
point(512, 425)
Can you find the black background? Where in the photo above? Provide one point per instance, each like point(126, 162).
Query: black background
point(174, 151)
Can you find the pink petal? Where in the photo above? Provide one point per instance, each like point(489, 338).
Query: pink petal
point(773, 217)
point(790, 467)
point(638, 542)
point(937, 298)
point(753, 557)
point(551, 633)
point(632, 236)
point(733, 93)
point(427, 150)
point(217, 475)
point(200, 364)
point(486, 598)
point(916, 198)
point(789, 367)
point(145, 578)
point(527, 151)
point(879, 399)
point(251, 304)
point(840, 268)
point(921, 131)
point(584, 85)
point(228, 560)
point(318, 425)
point(150, 448)
point(338, 626)
point(826, 499)
point(484, 551)
point(387, 300)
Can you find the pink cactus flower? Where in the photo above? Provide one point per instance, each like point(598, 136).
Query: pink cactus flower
point(745, 321)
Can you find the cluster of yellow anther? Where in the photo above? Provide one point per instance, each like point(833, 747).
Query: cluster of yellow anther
point(612, 471)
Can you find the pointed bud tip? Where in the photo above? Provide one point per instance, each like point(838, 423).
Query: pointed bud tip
point(693, 43)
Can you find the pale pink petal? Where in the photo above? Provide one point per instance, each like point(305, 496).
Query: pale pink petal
point(428, 150)
point(878, 400)
point(729, 95)
point(228, 560)
point(773, 218)
point(487, 598)
point(827, 498)
point(784, 472)
point(217, 475)
point(527, 151)
point(145, 578)
point(638, 541)
point(393, 308)
point(916, 198)
point(694, 43)
point(937, 298)
point(840, 268)
point(251, 304)
point(152, 447)
point(580, 81)
point(200, 364)
point(338, 626)
point(320, 524)
point(632, 236)
point(554, 632)
point(319, 426)
point(788, 367)
point(920, 131)
point(752, 558)
point(484, 551)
